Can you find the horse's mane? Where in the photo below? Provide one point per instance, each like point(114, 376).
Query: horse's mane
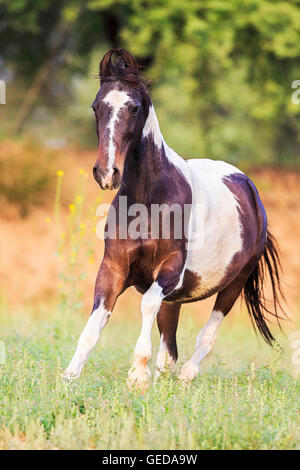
point(124, 68)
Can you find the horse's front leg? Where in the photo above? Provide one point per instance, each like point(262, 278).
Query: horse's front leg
point(168, 277)
point(109, 285)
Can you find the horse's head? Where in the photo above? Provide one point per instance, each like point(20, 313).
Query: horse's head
point(121, 108)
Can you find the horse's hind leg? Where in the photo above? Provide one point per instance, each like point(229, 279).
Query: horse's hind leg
point(204, 343)
point(167, 321)
point(207, 336)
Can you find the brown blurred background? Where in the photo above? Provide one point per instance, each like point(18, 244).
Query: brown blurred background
point(222, 76)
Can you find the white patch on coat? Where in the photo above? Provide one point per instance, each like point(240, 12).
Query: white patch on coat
point(204, 343)
point(87, 340)
point(151, 302)
point(214, 241)
point(178, 162)
point(152, 127)
point(220, 234)
point(116, 100)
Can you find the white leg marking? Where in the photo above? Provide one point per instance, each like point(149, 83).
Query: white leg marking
point(151, 302)
point(87, 341)
point(164, 359)
point(204, 343)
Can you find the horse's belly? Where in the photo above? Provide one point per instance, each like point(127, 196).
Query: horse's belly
point(201, 280)
point(211, 264)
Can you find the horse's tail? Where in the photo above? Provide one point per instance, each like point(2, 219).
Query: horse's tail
point(256, 303)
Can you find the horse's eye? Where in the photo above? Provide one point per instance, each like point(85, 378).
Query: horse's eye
point(134, 110)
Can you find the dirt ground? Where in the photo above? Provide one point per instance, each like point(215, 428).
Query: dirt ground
point(29, 267)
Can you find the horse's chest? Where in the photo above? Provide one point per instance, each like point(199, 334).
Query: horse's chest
point(148, 258)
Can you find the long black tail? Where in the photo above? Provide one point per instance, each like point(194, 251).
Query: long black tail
point(256, 303)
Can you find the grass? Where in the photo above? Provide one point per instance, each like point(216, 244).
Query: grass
point(245, 398)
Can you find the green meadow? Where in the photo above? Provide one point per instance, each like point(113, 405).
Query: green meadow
point(245, 398)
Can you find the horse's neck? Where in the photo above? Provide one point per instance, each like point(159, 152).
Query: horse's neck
point(151, 129)
point(146, 167)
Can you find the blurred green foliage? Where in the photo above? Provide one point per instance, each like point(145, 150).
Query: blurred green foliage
point(221, 70)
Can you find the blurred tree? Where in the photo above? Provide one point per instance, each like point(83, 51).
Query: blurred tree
point(221, 71)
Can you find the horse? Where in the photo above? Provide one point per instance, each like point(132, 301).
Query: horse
point(228, 255)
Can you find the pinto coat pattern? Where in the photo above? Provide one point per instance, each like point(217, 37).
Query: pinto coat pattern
point(224, 257)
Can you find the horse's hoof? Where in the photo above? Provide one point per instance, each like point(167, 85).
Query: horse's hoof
point(188, 372)
point(70, 375)
point(139, 380)
point(163, 373)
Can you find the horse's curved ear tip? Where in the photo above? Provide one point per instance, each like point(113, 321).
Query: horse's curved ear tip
point(118, 50)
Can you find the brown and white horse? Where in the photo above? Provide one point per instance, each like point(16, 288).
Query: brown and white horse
point(233, 244)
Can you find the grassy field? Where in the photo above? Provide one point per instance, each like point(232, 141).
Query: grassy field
point(245, 398)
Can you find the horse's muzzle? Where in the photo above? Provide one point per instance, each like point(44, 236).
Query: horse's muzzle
point(108, 180)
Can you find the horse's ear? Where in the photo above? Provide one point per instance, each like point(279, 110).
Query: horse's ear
point(128, 60)
point(119, 64)
point(106, 67)
point(124, 61)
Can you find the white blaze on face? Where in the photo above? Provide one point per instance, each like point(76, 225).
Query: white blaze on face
point(116, 100)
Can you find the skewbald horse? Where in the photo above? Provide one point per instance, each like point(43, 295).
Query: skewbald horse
point(236, 250)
